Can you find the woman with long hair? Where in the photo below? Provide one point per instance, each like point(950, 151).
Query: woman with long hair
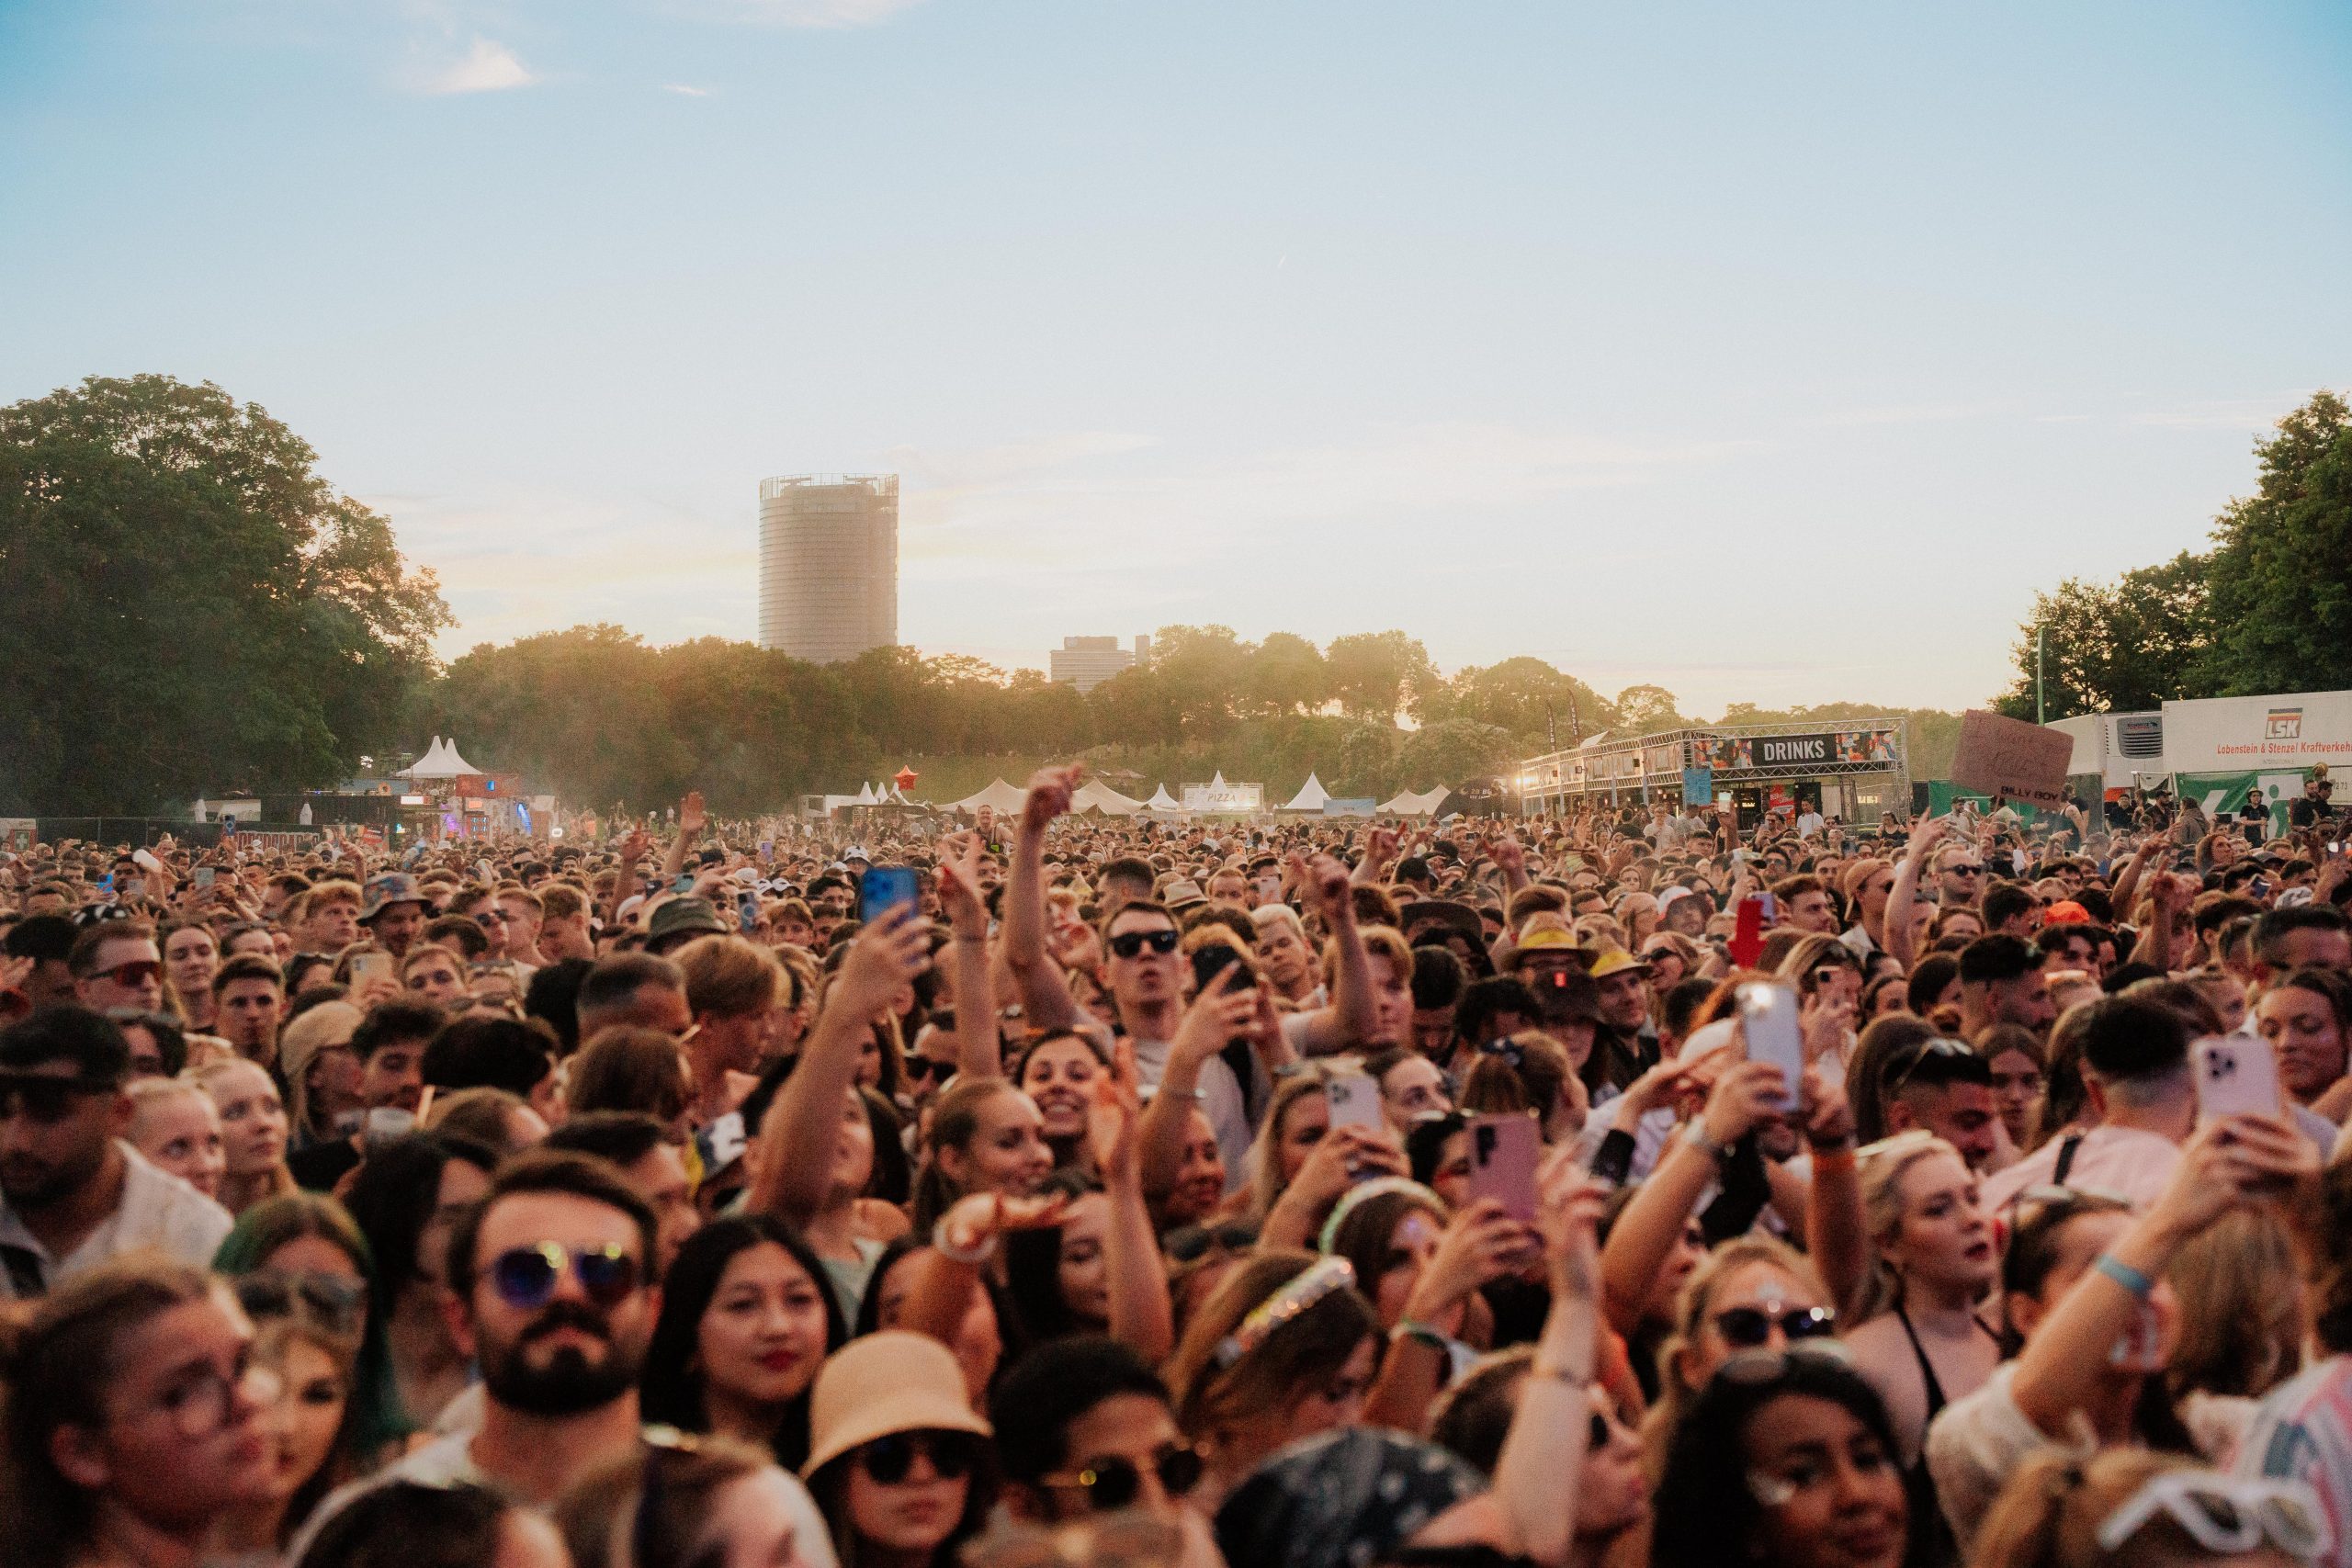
point(308, 1428)
point(176, 1125)
point(305, 1247)
point(1283, 1348)
point(1784, 1460)
point(134, 1422)
point(747, 1318)
point(252, 1133)
point(899, 1462)
point(986, 1136)
point(407, 1197)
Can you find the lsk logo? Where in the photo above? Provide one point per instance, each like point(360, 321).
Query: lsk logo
point(2285, 724)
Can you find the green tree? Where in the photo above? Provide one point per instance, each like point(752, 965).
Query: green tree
point(1202, 669)
point(2281, 566)
point(191, 607)
point(1375, 675)
point(1455, 750)
point(1644, 710)
point(1531, 700)
point(2131, 644)
point(1286, 675)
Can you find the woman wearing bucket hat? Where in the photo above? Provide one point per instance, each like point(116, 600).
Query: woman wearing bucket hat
point(899, 1462)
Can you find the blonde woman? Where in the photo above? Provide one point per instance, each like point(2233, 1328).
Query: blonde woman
point(174, 1124)
point(253, 1129)
point(1917, 1334)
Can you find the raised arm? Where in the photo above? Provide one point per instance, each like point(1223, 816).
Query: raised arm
point(1348, 1022)
point(1142, 1317)
point(980, 1050)
point(1044, 993)
point(1536, 1473)
point(1837, 1235)
point(1216, 1015)
point(690, 825)
point(1644, 1235)
point(1901, 923)
point(2228, 1160)
point(793, 1176)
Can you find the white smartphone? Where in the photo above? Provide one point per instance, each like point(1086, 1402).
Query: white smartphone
point(1356, 1102)
point(1768, 1016)
point(370, 966)
point(2235, 1077)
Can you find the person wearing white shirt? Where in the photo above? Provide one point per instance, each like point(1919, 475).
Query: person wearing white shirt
point(74, 1194)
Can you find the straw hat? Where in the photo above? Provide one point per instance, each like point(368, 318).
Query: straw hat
point(886, 1382)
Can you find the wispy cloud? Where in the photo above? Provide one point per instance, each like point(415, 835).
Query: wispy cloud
point(683, 90)
point(488, 67)
point(2235, 414)
point(837, 14)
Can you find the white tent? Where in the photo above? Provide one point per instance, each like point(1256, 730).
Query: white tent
point(1096, 795)
point(1407, 804)
point(1161, 801)
point(1000, 797)
point(440, 762)
point(1311, 797)
point(864, 794)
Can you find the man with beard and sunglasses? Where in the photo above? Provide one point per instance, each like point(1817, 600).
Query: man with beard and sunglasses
point(552, 1291)
point(74, 1194)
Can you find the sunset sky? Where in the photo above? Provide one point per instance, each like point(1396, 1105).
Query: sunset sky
point(1766, 352)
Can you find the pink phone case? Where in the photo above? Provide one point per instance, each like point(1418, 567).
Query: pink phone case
point(1356, 1102)
point(2235, 1077)
point(1505, 1149)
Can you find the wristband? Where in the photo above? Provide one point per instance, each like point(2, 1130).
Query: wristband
point(2123, 1274)
point(1695, 1136)
point(1574, 1377)
point(1428, 1334)
point(1839, 1156)
point(971, 1257)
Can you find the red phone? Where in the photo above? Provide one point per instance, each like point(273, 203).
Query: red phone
point(1505, 1149)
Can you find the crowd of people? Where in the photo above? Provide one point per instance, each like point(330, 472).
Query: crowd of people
point(1066, 1190)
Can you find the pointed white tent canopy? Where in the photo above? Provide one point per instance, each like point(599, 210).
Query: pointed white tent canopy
point(1311, 797)
point(999, 797)
point(1161, 801)
point(865, 795)
point(1219, 781)
point(1096, 795)
point(1407, 804)
point(440, 762)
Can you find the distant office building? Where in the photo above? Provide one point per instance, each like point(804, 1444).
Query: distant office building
point(828, 564)
point(1088, 661)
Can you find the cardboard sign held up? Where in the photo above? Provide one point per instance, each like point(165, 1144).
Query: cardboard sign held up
point(2009, 759)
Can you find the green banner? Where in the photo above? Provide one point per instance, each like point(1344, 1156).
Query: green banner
point(2218, 793)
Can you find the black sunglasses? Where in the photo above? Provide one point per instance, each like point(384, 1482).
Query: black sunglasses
point(525, 1277)
point(1748, 1328)
point(1932, 1049)
point(1196, 1241)
point(272, 1293)
point(1127, 944)
point(919, 1069)
point(888, 1460)
point(46, 1096)
point(1111, 1482)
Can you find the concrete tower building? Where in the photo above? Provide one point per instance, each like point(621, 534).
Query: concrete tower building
point(828, 564)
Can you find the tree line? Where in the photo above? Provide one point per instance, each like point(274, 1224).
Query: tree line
point(195, 610)
point(2265, 607)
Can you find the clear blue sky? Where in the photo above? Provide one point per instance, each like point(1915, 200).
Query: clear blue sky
point(1773, 353)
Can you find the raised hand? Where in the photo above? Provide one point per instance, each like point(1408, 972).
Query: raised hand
point(883, 955)
point(691, 818)
point(1049, 795)
point(959, 883)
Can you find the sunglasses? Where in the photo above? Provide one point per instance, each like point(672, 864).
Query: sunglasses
point(1750, 1328)
point(887, 1460)
point(132, 972)
point(526, 1278)
point(1963, 871)
point(45, 1097)
point(2224, 1515)
point(273, 1293)
point(1933, 1050)
point(1197, 1241)
point(1111, 1482)
point(923, 1070)
point(1128, 944)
